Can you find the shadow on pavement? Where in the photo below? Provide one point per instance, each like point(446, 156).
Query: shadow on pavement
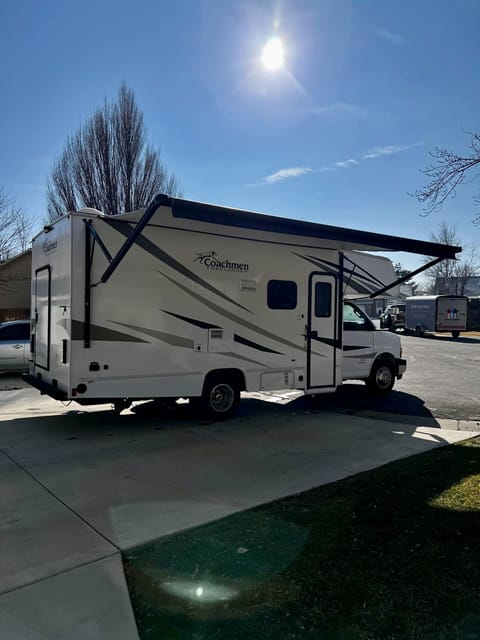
point(347, 399)
point(154, 415)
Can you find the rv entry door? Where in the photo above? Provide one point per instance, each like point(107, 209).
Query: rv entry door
point(322, 327)
point(42, 317)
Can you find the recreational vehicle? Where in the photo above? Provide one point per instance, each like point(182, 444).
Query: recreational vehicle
point(439, 314)
point(185, 299)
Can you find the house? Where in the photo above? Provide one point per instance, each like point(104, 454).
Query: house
point(15, 284)
point(464, 286)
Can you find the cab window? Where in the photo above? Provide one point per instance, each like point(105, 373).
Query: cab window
point(354, 319)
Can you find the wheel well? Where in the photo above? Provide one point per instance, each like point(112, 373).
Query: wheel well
point(231, 375)
point(385, 357)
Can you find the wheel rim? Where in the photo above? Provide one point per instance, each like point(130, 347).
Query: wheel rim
point(383, 377)
point(222, 397)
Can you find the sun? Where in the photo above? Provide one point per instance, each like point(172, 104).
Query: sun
point(273, 54)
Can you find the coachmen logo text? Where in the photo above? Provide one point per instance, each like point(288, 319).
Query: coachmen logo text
point(49, 246)
point(211, 260)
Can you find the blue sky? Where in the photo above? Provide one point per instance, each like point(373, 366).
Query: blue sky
point(337, 136)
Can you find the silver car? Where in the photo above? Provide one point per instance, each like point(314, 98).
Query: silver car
point(14, 345)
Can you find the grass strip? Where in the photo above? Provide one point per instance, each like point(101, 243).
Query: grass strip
point(391, 554)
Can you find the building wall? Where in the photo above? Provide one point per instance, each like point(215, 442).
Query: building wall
point(15, 285)
point(458, 286)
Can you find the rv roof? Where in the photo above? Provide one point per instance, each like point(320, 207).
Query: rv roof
point(335, 237)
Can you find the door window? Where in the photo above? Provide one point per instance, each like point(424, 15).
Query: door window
point(323, 299)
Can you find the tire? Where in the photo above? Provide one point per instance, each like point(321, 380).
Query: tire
point(419, 331)
point(382, 377)
point(455, 334)
point(219, 400)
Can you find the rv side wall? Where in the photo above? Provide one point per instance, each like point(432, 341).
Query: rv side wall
point(182, 304)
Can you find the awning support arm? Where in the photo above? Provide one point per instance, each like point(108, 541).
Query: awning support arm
point(99, 241)
point(407, 277)
point(158, 201)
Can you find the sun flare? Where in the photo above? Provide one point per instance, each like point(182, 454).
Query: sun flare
point(273, 54)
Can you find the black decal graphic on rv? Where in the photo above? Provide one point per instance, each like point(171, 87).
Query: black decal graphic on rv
point(151, 248)
point(210, 260)
point(236, 337)
point(226, 314)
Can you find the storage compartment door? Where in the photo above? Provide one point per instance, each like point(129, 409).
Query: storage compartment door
point(42, 317)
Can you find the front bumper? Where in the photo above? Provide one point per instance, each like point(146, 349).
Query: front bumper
point(401, 367)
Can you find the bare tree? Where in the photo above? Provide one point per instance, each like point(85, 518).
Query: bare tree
point(446, 173)
point(107, 164)
point(15, 227)
point(452, 276)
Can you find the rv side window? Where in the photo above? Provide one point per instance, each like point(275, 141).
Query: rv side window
point(282, 294)
point(323, 300)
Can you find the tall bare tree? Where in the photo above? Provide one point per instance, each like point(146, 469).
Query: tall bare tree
point(447, 172)
point(15, 227)
point(107, 164)
point(452, 276)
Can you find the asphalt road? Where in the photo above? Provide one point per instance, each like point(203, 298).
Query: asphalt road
point(442, 380)
point(445, 372)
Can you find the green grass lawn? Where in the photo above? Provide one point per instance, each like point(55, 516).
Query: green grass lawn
point(389, 554)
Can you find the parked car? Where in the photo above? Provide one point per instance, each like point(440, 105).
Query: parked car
point(393, 317)
point(14, 345)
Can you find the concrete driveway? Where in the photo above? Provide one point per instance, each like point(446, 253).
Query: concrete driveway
point(79, 486)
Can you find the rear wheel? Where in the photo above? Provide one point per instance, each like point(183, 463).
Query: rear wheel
point(455, 334)
point(382, 377)
point(419, 331)
point(219, 399)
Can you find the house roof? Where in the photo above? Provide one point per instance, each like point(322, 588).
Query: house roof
point(10, 261)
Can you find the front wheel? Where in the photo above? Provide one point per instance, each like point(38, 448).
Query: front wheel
point(219, 399)
point(382, 377)
point(455, 334)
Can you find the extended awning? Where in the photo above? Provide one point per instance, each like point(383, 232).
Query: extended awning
point(336, 237)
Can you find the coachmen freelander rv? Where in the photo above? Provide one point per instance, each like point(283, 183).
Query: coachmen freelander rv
point(185, 299)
